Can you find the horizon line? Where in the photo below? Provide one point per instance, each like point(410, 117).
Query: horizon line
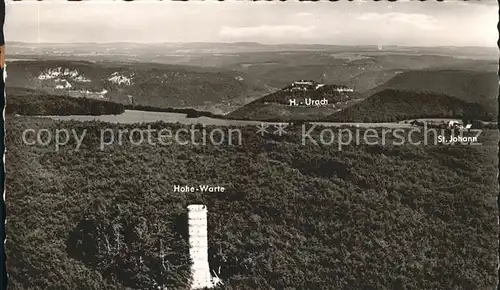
point(253, 43)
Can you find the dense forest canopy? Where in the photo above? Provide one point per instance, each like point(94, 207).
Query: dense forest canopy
point(31, 102)
point(293, 216)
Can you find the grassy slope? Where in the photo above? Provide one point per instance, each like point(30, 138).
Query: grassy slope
point(394, 105)
point(293, 216)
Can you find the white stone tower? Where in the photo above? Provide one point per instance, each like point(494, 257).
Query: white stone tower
point(198, 246)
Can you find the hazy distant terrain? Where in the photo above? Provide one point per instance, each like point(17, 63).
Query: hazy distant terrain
point(223, 77)
point(196, 49)
point(361, 70)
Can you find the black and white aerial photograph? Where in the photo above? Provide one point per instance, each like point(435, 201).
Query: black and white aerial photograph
point(284, 145)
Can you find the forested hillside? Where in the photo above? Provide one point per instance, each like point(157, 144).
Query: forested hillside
point(471, 86)
point(32, 102)
point(276, 106)
point(293, 216)
point(395, 105)
point(148, 84)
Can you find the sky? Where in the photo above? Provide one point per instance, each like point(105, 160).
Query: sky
point(405, 22)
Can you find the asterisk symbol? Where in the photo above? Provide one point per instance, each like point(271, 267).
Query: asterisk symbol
point(280, 128)
point(262, 129)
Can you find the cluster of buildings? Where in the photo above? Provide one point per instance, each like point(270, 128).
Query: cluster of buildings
point(458, 125)
point(304, 85)
point(307, 85)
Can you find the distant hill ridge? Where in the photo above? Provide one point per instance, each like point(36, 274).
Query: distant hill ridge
point(24, 101)
point(470, 86)
point(309, 89)
point(150, 84)
point(397, 105)
point(293, 102)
